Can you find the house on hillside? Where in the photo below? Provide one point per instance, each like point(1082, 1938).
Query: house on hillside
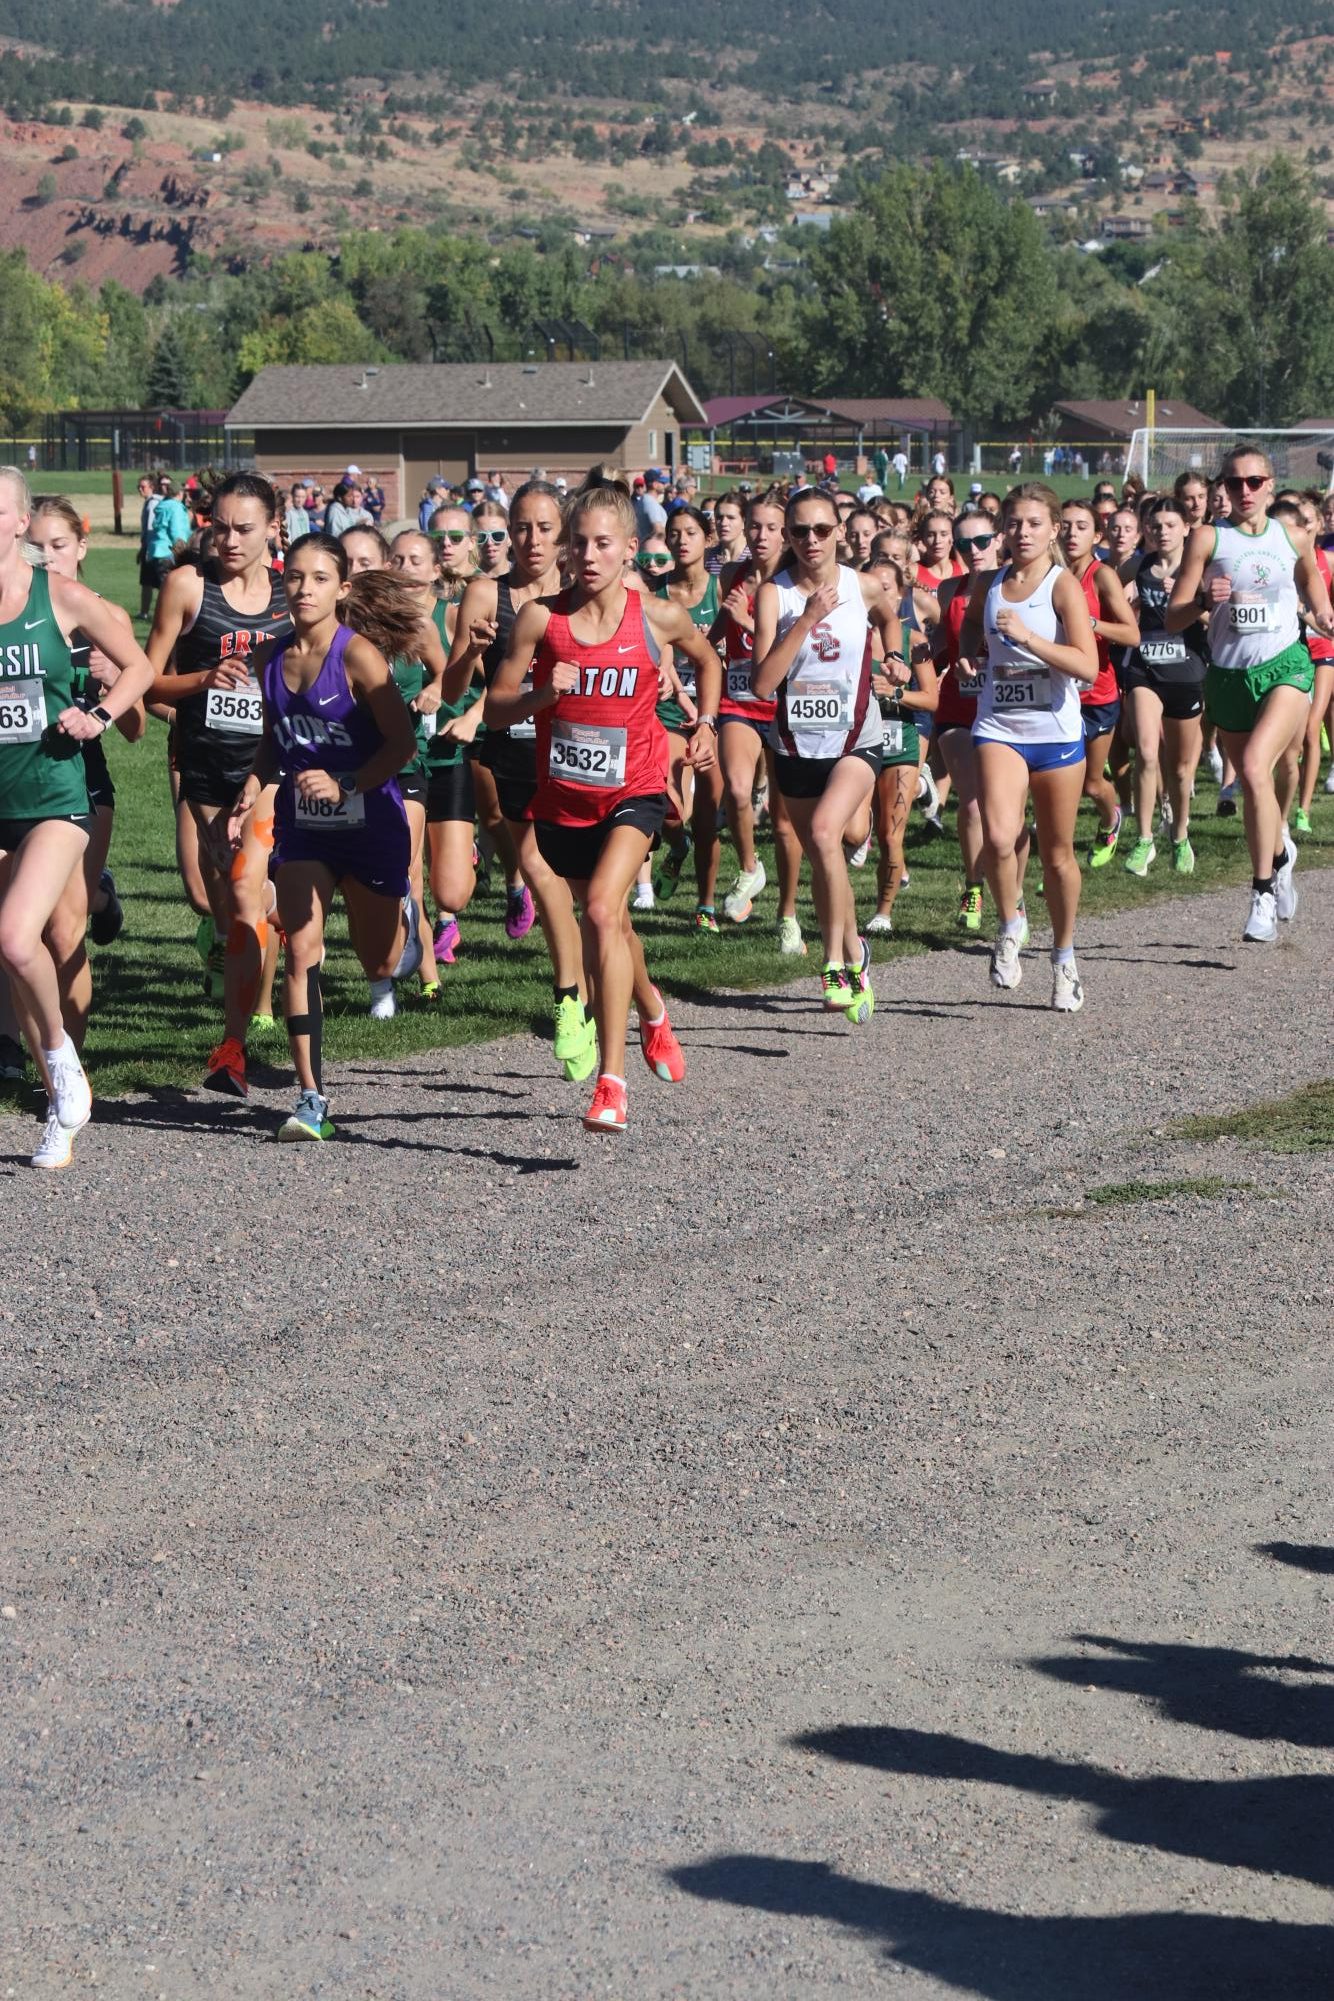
point(409, 421)
point(1125, 228)
point(1042, 92)
point(1111, 422)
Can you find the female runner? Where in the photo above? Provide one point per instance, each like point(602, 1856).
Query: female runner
point(45, 822)
point(729, 523)
point(57, 530)
point(486, 621)
point(1113, 625)
point(419, 676)
point(903, 703)
point(209, 624)
point(335, 735)
point(744, 723)
point(975, 538)
point(1032, 618)
point(935, 541)
point(491, 538)
point(450, 800)
point(813, 625)
point(692, 587)
point(1162, 684)
point(1249, 575)
point(593, 654)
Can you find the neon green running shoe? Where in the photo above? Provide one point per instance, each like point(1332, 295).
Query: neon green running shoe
point(585, 1060)
point(1301, 821)
point(969, 917)
point(706, 921)
point(572, 1026)
point(1104, 847)
point(1141, 858)
point(862, 1004)
point(1183, 857)
point(666, 881)
point(836, 988)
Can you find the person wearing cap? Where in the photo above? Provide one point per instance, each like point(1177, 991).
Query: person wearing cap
point(346, 510)
point(473, 491)
point(432, 499)
point(650, 514)
point(561, 483)
point(372, 498)
point(351, 475)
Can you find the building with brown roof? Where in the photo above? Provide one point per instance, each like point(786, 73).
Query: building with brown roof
point(411, 421)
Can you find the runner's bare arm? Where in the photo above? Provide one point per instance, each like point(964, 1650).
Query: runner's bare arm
point(1313, 589)
point(177, 607)
point(474, 629)
point(1116, 621)
point(132, 722)
point(371, 682)
point(506, 704)
point(774, 656)
point(446, 680)
point(1078, 657)
point(108, 628)
point(1187, 597)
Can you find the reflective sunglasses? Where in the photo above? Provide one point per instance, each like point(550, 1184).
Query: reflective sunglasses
point(655, 562)
point(821, 530)
point(974, 541)
point(1250, 482)
point(496, 535)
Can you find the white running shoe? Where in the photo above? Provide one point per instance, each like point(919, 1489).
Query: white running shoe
point(928, 791)
point(1006, 970)
point(1216, 762)
point(1285, 894)
point(881, 925)
point(1329, 779)
point(1262, 924)
point(56, 1146)
point(383, 1005)
point(410, 958)
point(857, 856)
point(641, 896)
point(740, 898)
point(790, 941)
point(1067, 995)
point(71, 1097)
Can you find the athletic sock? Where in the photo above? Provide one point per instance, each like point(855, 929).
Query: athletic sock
point(1013, 927)
point(610, 1077)
point(566, 993)
point(1280, 861)
point(1063, 955)
point(1263, 885)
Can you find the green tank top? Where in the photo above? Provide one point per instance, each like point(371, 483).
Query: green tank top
point(670, 713)
point(41, 772)
point(410, 679)
point(444, 751)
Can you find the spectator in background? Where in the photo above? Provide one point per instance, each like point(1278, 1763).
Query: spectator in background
point(296, 516)
point(880, 466)
point(345, 510)
point(829, 465)
point(900, 465)
point(431, 501)
point(168, 530)
point(495, 490)
point(316, 508)
point(473, 492)
point(650, 514)
point(372, 498)
point(147, 578)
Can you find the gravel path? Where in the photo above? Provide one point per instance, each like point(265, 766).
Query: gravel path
point(768, 1556)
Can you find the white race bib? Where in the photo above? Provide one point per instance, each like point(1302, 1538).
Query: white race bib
point(22, 712)
point(587, 754)
point(428, 720)
point(891, 741)
point(331, 816)
point(526, 731)
point(238, 711)
point(820, 705)
point(1162, 650)
point(1253, 615)
point(685, 673)
point(738, 682)
point(1032, 692)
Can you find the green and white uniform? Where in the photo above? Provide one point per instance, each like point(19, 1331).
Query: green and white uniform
point(1255, 640)
point(410, 679)
point(41, 775)
point(442, 752)
point(899, 743)
point(449, 784)
point(670, 713)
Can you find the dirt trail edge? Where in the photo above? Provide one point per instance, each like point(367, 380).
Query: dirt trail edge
point(806, 1547)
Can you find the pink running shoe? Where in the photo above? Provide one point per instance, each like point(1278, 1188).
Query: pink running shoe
point(445, 940)
point(519, 913)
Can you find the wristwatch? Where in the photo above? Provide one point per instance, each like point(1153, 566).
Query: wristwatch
point(347, 783)
point(102, 716)
point(707, 723)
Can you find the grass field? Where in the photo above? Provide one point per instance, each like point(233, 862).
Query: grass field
point(152, 1025)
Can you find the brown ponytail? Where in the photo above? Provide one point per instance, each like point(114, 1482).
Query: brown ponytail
point(381, 607)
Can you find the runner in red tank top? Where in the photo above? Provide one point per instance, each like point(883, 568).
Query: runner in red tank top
point(601, 793)
point(978, 544)
point(1321, 651)
point(1114, 624)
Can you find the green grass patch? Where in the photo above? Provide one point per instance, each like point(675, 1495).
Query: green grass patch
point(1301, 1122)
point(1126, 1194)
point(153, 1027)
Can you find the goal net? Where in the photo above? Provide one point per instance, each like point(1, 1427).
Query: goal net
point(1299, 458)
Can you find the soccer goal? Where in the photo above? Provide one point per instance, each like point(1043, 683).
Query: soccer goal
point(1299, 458)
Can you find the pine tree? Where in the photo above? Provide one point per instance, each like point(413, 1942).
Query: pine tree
point(168, 372)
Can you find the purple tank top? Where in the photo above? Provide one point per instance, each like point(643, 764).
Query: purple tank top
point(325, 728)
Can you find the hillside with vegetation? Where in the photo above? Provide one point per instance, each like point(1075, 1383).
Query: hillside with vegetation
point(871, 196)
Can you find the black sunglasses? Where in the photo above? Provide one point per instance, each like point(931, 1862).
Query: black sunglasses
point(821, 530)
point(974, 541)
point(1251, 482)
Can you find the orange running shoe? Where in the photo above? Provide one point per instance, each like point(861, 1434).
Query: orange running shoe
point(606, 1114)
point(226, 1069)
point(662, 1051)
